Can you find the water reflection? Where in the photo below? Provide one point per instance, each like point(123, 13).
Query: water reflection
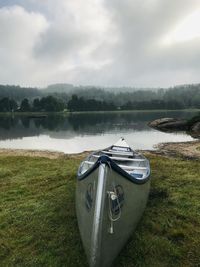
point(76, 127)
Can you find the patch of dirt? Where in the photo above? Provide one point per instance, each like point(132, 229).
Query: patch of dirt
point(188, 150)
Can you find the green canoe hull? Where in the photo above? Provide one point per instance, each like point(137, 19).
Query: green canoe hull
point(102, 239)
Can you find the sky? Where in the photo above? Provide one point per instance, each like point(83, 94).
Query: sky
point(152, 43)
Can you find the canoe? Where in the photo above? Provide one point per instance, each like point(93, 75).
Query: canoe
point(111, 194)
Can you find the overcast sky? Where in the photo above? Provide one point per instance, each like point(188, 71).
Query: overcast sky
point(148, 43)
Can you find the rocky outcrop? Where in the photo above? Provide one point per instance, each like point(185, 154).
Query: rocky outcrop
point(157, 122)
point(195, 130)
point(169, 124)
point(196, 127)
point(175, 125)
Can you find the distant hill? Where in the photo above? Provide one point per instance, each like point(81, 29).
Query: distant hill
point(69, 88)
point(58, 88)
point(18, 93)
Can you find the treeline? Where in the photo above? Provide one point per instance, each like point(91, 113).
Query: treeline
point(81, 104)
point(8, 105)
point(187, 96)
point(52, 104)
point(45, 104)
point(153, 104)
point(182, 97)
point(48, 103)
point(93, 98)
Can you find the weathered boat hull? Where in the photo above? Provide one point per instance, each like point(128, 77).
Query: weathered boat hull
point(93, 207)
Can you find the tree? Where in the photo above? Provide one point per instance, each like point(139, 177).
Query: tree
point(13, 105)
point(73, 103)
point(36, 104)
point(7, 105)
point(25, 106)
point(81, 104)
point(51, 104)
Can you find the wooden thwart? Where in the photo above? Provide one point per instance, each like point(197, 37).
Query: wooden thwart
point(121, 166)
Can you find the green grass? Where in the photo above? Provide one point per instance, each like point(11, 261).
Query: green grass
point(38, 226)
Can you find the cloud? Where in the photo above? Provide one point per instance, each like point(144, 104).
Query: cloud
point(19, 31)
point(98, 42)
point(139, 58)
point(77, 30)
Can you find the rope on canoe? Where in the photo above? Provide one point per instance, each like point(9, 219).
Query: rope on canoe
point(113, 196)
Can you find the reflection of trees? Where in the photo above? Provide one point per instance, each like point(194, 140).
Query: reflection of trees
point(18, 127)
point(25, 122)
point(50, 123)
point(82, 123)
point(101, 122)
point(37, 123)
point(54, 122)
point(8, 122)
point(88, 120)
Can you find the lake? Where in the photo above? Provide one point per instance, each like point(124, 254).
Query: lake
point(74, 133)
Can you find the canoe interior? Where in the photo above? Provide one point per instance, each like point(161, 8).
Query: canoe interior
point(135, 164)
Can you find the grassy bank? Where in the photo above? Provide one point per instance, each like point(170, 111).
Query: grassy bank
point(38, 225)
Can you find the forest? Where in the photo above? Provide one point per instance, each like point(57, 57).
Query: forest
point(64, 96)
point(45, 104)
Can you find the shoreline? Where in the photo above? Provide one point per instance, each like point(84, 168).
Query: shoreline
point(189, 150)
point(95, 111)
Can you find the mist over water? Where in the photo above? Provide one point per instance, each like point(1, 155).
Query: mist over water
point(75, 132)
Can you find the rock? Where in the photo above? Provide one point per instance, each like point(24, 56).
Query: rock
point(179, 125)
point(157, 122)
point(195, 130)
point(196, 127)
point(169, 124)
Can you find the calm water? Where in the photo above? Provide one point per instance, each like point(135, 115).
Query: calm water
point(79, 132)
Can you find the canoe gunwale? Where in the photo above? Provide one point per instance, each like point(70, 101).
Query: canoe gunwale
point(96, 238)
point(104, 159)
